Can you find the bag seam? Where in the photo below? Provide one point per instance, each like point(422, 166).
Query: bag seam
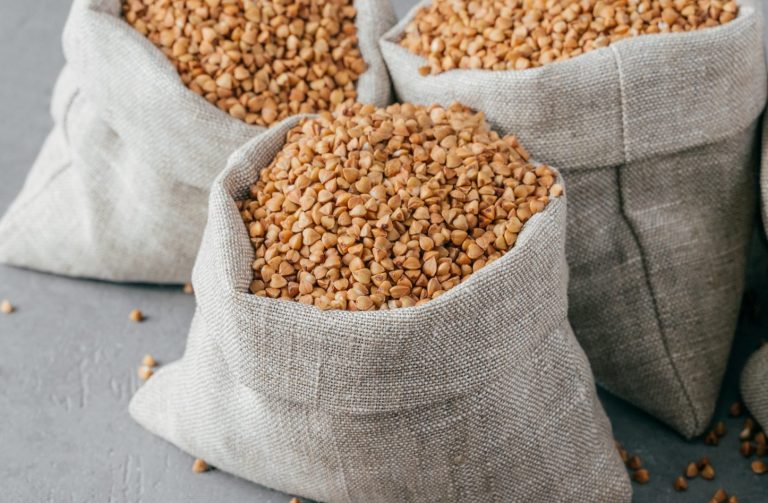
point(636, 238)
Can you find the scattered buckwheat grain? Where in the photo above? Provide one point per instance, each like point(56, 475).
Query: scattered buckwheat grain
point(641, 476)
point(6, 307)
point(136, 316)
point(746, 433)
point(720, 496)
point(260, 61)
point(145, 372)
point(708, 473)
point(387, 208)
point(746, 449)
point(188, 289)
point(521, 34)
point(720, 429)
point(200, 466)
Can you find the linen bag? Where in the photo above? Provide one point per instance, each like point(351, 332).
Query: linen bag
point(754, 386)
point(656, 137)
point(482, 394)
point(120, 188)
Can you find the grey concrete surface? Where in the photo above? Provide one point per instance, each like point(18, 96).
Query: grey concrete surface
point(68, 356)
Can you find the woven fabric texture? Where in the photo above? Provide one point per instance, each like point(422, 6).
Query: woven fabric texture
point(655, 136)
point(754, 386)
point(480, 395)
point(764, 175)
point(120, 189)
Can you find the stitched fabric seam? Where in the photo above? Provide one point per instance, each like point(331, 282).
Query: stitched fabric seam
point(643, 258)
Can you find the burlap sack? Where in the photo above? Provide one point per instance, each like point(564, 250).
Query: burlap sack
point(754, 386)
point(655, 136)
point(482, 393)
point(120, 188)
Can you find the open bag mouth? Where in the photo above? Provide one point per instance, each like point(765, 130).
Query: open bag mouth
point(501, 314)
point(392, 37)
point(635, 99)
point(107, 15)
point(164, 80)
point(236, 235)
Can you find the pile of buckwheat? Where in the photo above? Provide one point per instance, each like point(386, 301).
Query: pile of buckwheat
point(383, 208)
point(261, 61)
point(522, 34)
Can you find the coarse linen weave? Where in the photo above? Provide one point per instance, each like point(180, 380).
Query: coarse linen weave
point(754, 386)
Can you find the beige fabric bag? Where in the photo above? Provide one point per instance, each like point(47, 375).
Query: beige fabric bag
point(655, 136)
point(754, 386)
point(120, 189)
point(482, 394)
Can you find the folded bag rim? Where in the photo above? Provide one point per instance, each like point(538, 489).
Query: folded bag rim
point(376, 350)
point(90, 20)
point(608, 73)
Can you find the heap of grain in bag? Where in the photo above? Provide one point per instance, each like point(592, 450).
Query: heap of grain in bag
point(260, 61)
point(382, 208)
point(521, 34)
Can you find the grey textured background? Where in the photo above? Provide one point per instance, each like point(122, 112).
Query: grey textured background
point(68, 356)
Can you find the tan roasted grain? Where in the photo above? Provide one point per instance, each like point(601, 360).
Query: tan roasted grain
point(260, 61)
point(200, 466)
point(136, 316)
point(6, 307)
point(145, 372)
point(641, 476)
point(387, 208)
point(522, 34)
